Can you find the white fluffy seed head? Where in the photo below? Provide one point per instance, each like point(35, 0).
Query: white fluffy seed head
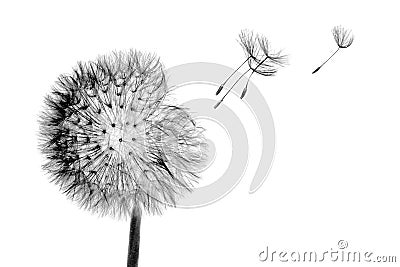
point(112, 143)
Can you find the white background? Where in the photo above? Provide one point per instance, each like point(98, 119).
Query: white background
point(336, 169)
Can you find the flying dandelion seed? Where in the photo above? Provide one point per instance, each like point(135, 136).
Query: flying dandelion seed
point(343, 38)
point(260, 60)
point(115, 145)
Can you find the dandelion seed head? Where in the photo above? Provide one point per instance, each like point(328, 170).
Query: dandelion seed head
point(343, 37)
point(112, 141)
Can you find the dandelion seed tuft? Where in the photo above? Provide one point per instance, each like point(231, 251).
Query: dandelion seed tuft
point(343, 37)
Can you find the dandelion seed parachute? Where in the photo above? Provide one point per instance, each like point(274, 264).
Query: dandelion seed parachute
point(259, 57)
point(111, 140)
point(343, 38)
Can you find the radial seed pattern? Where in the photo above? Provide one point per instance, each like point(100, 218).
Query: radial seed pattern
point(112, 143)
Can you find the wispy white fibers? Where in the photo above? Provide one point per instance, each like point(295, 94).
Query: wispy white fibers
point(113, 143)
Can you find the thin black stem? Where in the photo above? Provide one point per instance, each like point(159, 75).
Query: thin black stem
point(134, 239)
point(222, 99)
point(241, 76)
point(247, 84)
point(223, 84)
point(317, 69)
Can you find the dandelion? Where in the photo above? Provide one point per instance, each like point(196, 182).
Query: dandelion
point(115, 145)
point(260, 60)
point(343, 38)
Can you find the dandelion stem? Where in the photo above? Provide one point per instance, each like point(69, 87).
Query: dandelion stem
point(134, 239)
point(317, 69)
point(222, 99)
point(241, 76)
point(223, 84)
point(248, 79)
point(247, 84)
